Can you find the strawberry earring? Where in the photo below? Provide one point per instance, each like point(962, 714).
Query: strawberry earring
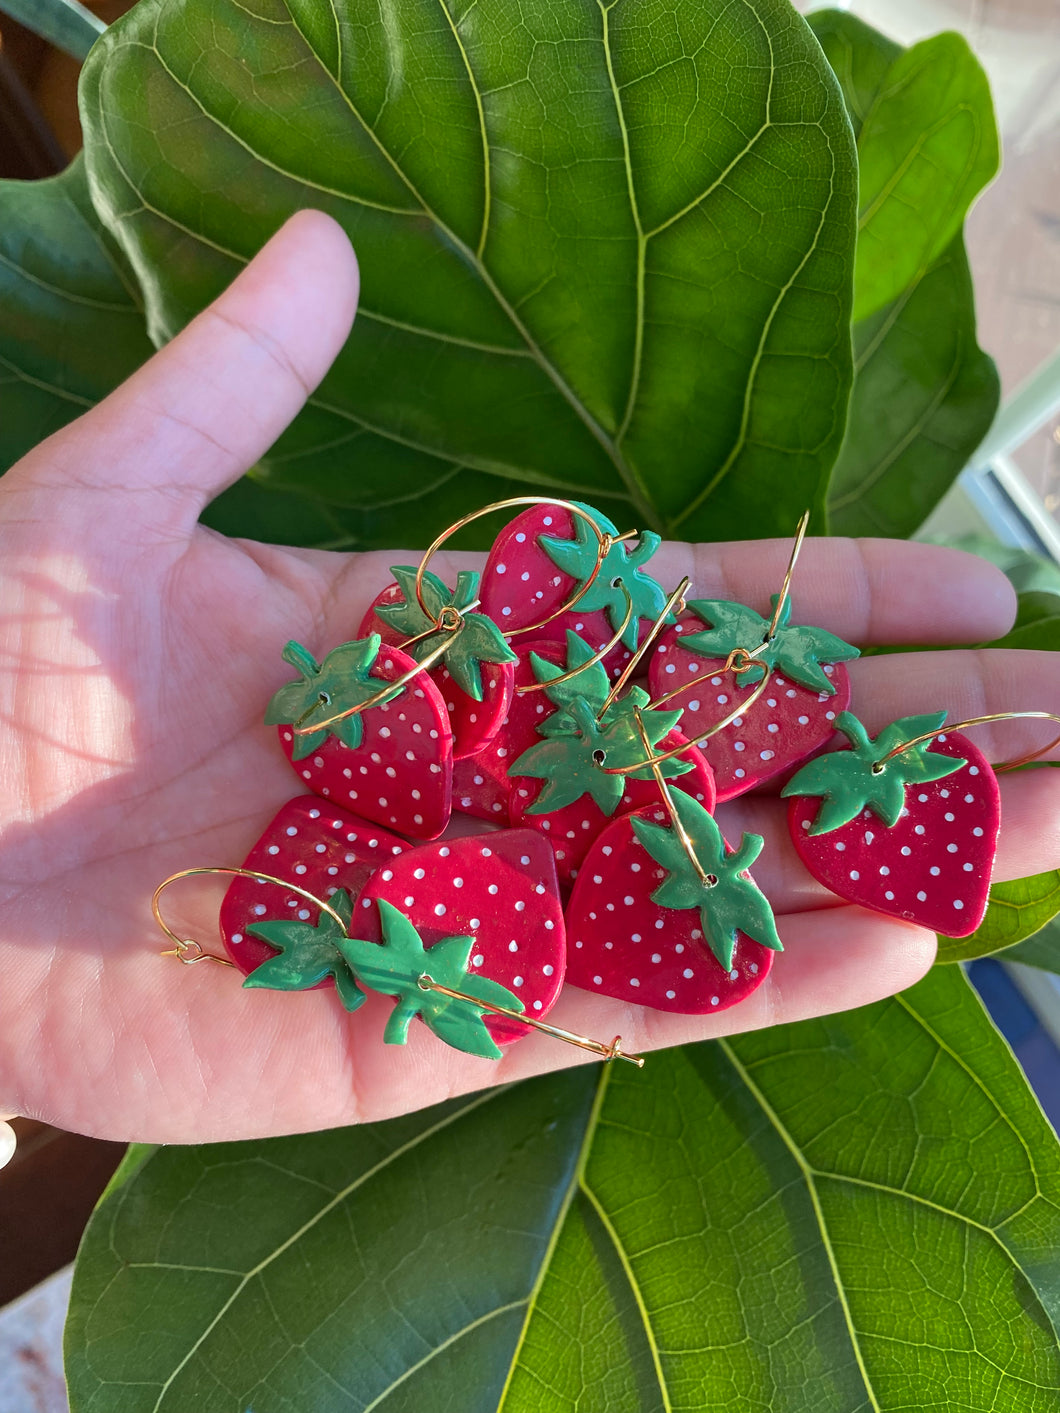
point(669, 917)
point(906, 823)
point(440, 981)
point(809, 688)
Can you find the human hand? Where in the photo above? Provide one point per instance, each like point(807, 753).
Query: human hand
point(138, 650)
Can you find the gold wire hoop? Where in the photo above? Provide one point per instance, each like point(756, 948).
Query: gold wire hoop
point(182, 945)
point(944, 730)
point(386, 694)
point(604, 543)
point(674, 604)
point(745, 660)
point(614, 1051)
point(589, 662)
point(785, 588)
point(671, 807)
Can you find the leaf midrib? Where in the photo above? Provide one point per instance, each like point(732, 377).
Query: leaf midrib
point(341, 1196)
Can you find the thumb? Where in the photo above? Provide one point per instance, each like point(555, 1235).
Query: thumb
point(208, 405)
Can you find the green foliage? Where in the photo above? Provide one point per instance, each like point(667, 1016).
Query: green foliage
point(561, 288)
point(864, 1211)
point(1042, 950)
point(71, 318)
point(924, 392)
point(1017, 910)
point(65, 23)
point(927, 146)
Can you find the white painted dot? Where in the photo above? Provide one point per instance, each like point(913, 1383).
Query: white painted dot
point(889, 896)
point(968, 868)
point(804, 721)
point(671, 995)
point(951, 848)
point(906, 850)
point(474, 923)
point(973, 770)
point(513, 946)
point(855, 875)
point(688, 973)
point(477, 959)
point(274, 848)
point(958, 904)
point(934, 870)
point(918, 829)
point(977, 832)
point(922, 896)
point(598, 980)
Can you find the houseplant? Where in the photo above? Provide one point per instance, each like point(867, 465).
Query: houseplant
point(851, 1212)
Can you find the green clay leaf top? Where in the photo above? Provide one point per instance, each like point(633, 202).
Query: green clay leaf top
point(339, 682)
point(622, 569)
point(479, 640)
point(730, 904)
point(798, 652)
point(847, 783)
point(577, 747)
point(307, 954)
point(394, 968)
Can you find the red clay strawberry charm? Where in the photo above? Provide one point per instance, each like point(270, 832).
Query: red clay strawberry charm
point(913, 836)
point(498, 888)
point(310, 843)
point(540, 560)
point(644, 926)
point(793, 718)
point(392, 763)
point(482, 785)
point(475, 675)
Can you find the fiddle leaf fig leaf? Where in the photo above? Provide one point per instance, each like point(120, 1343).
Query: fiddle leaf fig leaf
point(633, 289)
point(892, 1171)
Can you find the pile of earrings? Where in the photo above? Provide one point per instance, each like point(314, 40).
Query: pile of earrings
point(510, 697)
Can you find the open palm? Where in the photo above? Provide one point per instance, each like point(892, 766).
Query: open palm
point(137, 650)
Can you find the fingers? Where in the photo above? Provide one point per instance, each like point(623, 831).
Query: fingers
point(832, 961)
point(197, 414)
point(964, 684)
point(867, 591)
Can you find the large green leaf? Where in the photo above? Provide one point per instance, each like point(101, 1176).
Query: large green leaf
point(924, 392)
point(928, 145)
point(855, 1213)
point(924, 397)
point(1042, 950)
point(71, 323)
point(605, 249)
point(65, 23)
point(1017, 910)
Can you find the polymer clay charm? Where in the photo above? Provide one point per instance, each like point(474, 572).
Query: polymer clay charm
point(563, 785)
point(475, 674)
point(499, 889)
point(903, 825)
point(545, 558)
point(313, 844)
point(674, 924)
point(391, 763)
point(795, 715)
